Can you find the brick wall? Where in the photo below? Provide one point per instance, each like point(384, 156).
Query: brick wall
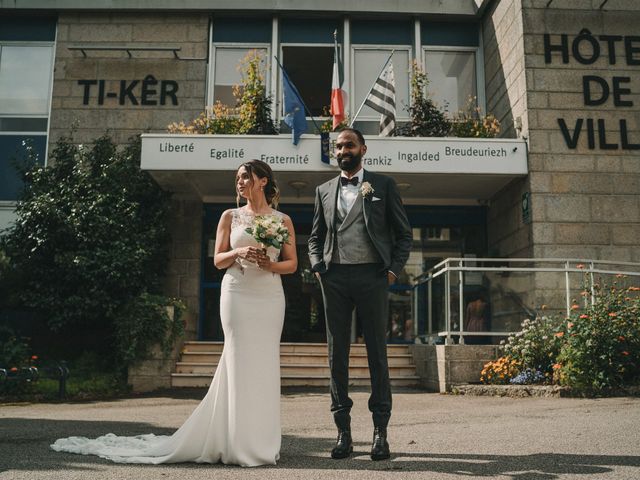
point(183, 273)
point(507, 100)
point(188, 32)
point(586, 200)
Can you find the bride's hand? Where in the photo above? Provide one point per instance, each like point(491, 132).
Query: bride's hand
point(263, 261)
point(248, 253)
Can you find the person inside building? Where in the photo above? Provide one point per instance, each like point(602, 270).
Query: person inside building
point(477, 318)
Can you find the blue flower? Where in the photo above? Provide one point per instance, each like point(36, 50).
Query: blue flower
point(527, 377)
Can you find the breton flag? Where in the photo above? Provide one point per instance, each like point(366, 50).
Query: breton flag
point(337, 94)
point(382, 98)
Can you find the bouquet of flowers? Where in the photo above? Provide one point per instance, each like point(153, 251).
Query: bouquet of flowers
point(269, 231)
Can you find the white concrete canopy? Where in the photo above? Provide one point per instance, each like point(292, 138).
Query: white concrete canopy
point(427, 170)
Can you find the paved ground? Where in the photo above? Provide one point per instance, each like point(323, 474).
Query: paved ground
point(432, 437)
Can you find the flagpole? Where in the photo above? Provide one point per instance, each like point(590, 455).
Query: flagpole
point(372, 85)
point(295, 90)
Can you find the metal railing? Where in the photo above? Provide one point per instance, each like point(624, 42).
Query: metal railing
point(454, 270)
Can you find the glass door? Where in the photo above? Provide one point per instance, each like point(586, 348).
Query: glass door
point(438, 233)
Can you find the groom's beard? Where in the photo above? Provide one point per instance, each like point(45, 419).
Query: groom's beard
point(349, 163)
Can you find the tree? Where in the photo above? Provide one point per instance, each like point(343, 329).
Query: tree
point(89, 247)
point(251, 115)
point(426, 119)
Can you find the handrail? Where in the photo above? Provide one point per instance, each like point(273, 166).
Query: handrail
point(537, 260)
point(450, 266)
point(529, 269)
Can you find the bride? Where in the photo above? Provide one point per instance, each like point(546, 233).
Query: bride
point(238, 421)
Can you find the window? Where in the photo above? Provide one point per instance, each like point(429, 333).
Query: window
point(232, 38)
point(25, 78)
point(26, 69)
point(226, 72)
point(367, 63)
point(310, 68)
point(452, 77)
point(26, 72)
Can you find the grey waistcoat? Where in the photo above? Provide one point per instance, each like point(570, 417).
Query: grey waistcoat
point(352, 244)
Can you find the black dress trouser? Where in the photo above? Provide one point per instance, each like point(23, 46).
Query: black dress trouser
point(364, 286)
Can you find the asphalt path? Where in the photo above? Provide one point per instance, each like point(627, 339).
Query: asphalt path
point(432, 436)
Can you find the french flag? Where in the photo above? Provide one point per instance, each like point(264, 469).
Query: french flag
point(338, 95)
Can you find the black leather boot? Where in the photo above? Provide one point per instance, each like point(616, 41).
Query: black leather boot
point(344, 445)
point(380, 447)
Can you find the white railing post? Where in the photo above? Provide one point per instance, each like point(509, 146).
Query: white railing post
point(447, 303)
point(461, 302)
point(430, 306)
point(555, 265)
point(593, 290)
point(568, 290)
point(416, 305)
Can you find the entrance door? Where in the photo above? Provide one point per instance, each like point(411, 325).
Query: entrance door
point(304, 316)
point(438, 233)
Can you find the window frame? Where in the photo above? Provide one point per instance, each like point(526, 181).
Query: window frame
point(401, 114)
point(9, 205)
point(24, 43)
point(479, 68)
point(280, 91)
point(211, 71)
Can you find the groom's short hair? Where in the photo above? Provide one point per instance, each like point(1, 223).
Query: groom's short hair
point(356, 132)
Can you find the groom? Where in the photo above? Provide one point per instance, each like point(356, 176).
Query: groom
point(359, 243)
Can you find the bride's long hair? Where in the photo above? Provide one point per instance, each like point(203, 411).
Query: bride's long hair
point(262, 170)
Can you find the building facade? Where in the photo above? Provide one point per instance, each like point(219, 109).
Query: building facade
point(561, 76)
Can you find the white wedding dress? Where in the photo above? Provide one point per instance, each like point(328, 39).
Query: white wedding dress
point(238, 421)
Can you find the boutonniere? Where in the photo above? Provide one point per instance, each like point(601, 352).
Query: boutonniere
point(366, 189)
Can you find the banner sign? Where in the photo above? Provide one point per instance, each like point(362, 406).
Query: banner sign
point(391, 155)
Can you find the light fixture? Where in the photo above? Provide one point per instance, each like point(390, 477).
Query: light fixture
point(403, 186)
point(297, 185)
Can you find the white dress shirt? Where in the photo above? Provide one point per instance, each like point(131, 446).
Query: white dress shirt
point(349, 193)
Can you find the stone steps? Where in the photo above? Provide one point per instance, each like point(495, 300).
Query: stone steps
point(301, 364)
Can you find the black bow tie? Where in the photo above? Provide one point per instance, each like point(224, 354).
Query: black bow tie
point(344, 181)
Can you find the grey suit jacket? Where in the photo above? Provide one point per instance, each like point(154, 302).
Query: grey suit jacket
point(385, 219)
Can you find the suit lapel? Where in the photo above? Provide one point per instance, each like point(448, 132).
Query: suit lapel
point(333, 189)
point(366, 204)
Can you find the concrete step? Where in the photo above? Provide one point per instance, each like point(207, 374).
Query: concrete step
point(305, 381)
point(195, 380)
point(213, 347)
point(305, 358)
point(301, 364)
point(208, 347)
point(296, 369)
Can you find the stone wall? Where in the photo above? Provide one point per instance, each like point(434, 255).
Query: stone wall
point(181, 281)
point(189, 32)
point(440, 367)
point(125, 108)
point(586, 200)
point(183, 275)
point(505, 86)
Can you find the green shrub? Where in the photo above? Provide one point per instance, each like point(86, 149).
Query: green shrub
point(89, 248)
point(471, 123)
point(426, 118)
point(14, 350)
point(594, 350)
point(250, 116)
point(601, 348)
point(537, 345)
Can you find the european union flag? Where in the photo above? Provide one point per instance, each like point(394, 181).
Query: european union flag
point(294, 115)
